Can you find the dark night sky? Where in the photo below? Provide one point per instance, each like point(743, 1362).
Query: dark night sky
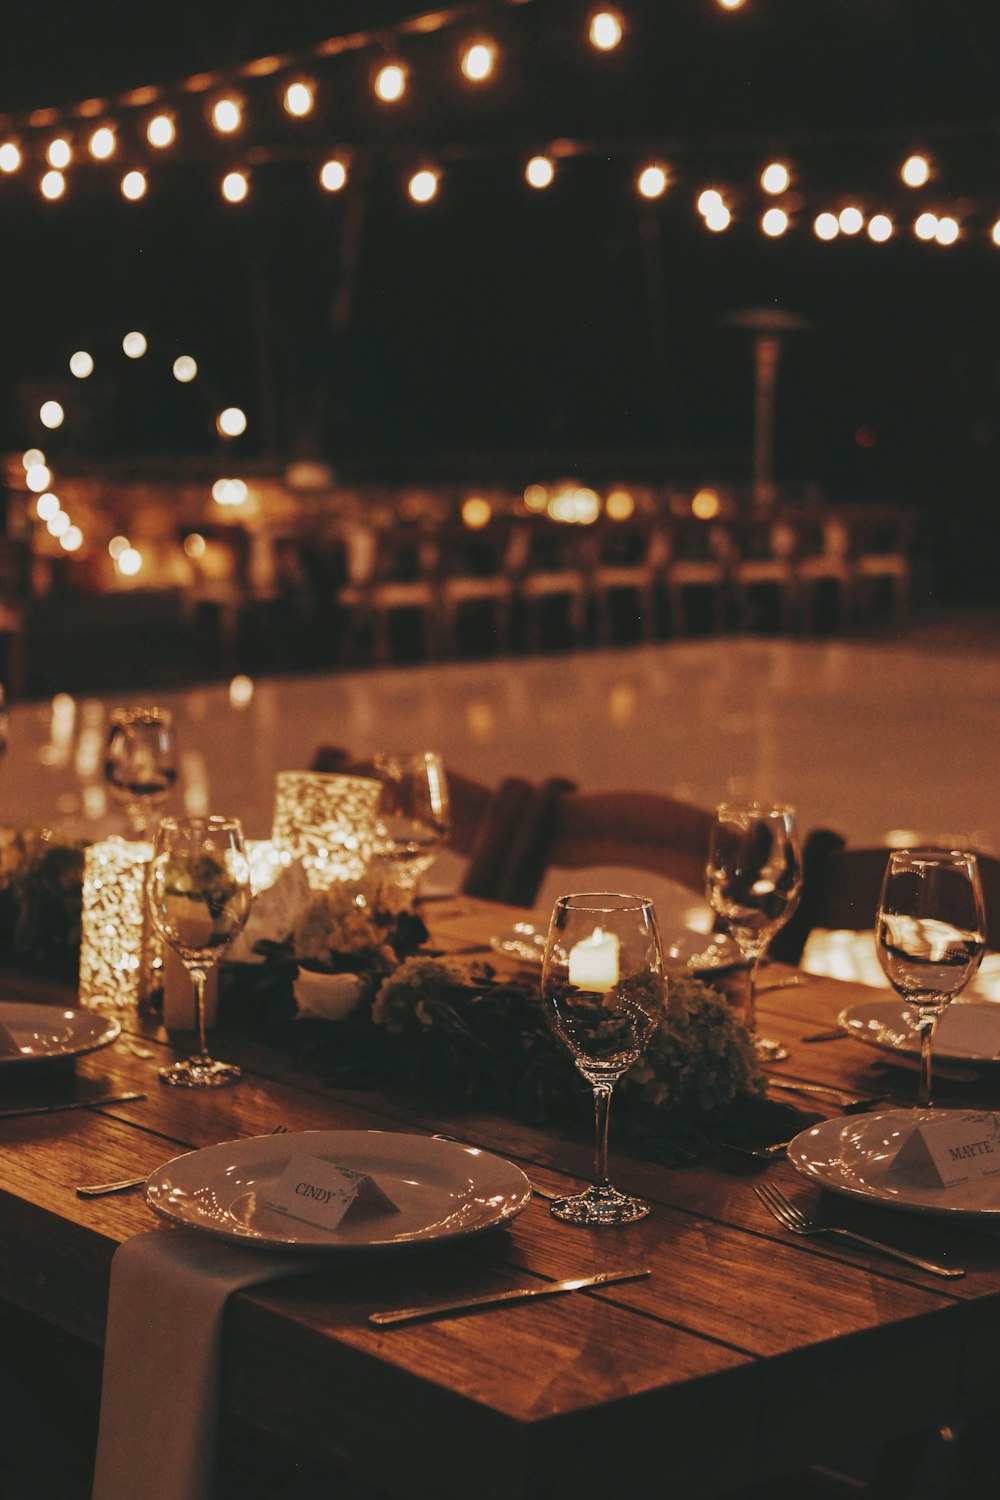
point(497, 319)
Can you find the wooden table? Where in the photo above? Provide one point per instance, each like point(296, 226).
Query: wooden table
point(747, 1353)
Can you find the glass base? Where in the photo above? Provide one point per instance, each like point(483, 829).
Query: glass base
point(200, 1072)
point(768, 1049)
point(599, 1205)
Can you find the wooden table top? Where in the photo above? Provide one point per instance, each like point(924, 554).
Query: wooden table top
point(795, 1349)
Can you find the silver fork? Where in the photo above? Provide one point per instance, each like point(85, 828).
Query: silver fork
point(793, 1219)
point(103, 1189)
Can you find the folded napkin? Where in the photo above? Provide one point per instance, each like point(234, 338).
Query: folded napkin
point(162, 1358)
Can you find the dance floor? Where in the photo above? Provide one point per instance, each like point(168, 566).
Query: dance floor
point(882, 741)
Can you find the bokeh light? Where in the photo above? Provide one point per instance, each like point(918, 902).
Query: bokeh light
point(606, 30)
point(53, 186)
point(227, 116)
point(51, 414)
point(38, 477)
point(71, 539)
point(333, 175)
point(774, 222)
point(705, 505)
point(230, 492)
point(10, 157)
point(926, 226)
point(102, 143)
point(231, 422)
point(129, 562)
point(161, 131)
point(195, 545)
point(47, 506)
point(540, 172)
point(620, 505)
point(851, 220)
point(825, 226)
point(880, 228)
point(134, 186)
point(775, 178)
point(81, 364)
point(423, 185)
point(652, 181)
point(185, 368)
point(299, 99)
point(59, 153)
point(915, 171)
point(134, 344)
point(118, 545)
point(478, 61)
point(476, 512)
point(390, 82)
point(235, 187)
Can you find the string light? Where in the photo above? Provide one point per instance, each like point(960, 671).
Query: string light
point(652, 181)
point(299, 99)
point(851, 220)
point(134, 344)
point(58, 524)
point(134, 186)
point(880, 228)
point(231, 422)
point(775, 178)
point(81, 364)
point(227, 116)
point(947, 231)
point(540, 172)
point(51, 414)
point(423, 185)
point(915, 171)
point(102, 143)
point(118, 545)
point(185, 368)
point(53, 186)
point(129, 562)
point(606, 30)
point(47, 505)
point(826, 227)
point(10, 157)
point(71, 539)
point(31, 459)
point(230, 491)
point(161, 131)
point(718, 218)
point(476, 512)
point(926, 226)
point(235, 187)
point(478, 61)
point(59, 153)
point(333, 175)
point(620, 505)
point(390, 82)
point(774, 222)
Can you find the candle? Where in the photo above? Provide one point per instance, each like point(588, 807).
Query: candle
point(593, 962)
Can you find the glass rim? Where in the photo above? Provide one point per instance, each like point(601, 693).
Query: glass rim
point(603, 901)
point(755, 806)
point(931, 854)
point(214, 821)
point(149, 713)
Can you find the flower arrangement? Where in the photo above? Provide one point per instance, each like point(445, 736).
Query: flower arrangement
point(41, 897)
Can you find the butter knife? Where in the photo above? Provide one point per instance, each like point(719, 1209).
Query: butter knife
point(495, 1299)
point(52, 1109)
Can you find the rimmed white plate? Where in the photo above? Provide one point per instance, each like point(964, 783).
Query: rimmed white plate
point(701, 954)
point(46, 1033)
point(968, 1031)
point(854, 1156)
point(443, 1190)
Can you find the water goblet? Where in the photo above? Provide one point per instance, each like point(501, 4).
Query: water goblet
point(930, 934)
point(199, 899)
point(754, 879)
point(140, 762)
point(604, 994)
point(413, 816)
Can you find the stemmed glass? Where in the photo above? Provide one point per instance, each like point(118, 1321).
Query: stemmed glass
point(930, 933)
point(199, 898)
point(754, 880)
point(140, 763)
point(413, 816)
point(604, 993)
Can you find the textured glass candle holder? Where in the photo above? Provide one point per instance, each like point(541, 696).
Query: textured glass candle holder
point(326, 821)
point(120, 957)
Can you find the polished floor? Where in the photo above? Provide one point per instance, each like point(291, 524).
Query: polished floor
point(884, 741)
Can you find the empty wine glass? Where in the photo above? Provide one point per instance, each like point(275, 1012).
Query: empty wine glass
point(754, 880)
point(604, 993)
point(140, 763)
point(199, 898)
point(930, 933)
point(413, 816)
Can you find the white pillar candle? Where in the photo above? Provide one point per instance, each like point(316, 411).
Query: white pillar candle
point(593, 962)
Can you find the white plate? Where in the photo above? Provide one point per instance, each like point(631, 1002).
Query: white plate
point(967, 1032)
point(441, 1188)
point(854, 1156)
point(45, 1033)
point(699, 953)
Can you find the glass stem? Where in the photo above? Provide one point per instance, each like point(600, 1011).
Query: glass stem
point(925, 1026)
point(198, 975)
point(602, 1108)
point(750, 1000)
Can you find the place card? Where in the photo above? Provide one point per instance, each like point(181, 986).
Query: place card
point(945, 1152)
point(322, 1193)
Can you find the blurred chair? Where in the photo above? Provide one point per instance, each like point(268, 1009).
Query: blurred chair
point(698, 557)
point(841, 888)
point(403, 576)
point(552, 561)
point(881, 546)
point(763, 563)
point(824, 569)
point(630, 558)
point(476, 574)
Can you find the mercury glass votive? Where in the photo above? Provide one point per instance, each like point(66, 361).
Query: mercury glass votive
point(327, 821)
point(119, 955)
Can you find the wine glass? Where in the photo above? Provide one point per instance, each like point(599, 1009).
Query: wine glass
point(930, 933)
point(140, 763)
point(413, 816)
point(199, 898)
point(604, 993)
point(754, 880)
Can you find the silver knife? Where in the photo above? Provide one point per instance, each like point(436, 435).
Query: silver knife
point(52, 1109)
point(495, 1299)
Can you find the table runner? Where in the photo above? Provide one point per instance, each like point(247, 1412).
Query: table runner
point(162, 1360)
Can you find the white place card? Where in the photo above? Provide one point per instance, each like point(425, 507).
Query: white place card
point(322, 1193)
point(945, 1152)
